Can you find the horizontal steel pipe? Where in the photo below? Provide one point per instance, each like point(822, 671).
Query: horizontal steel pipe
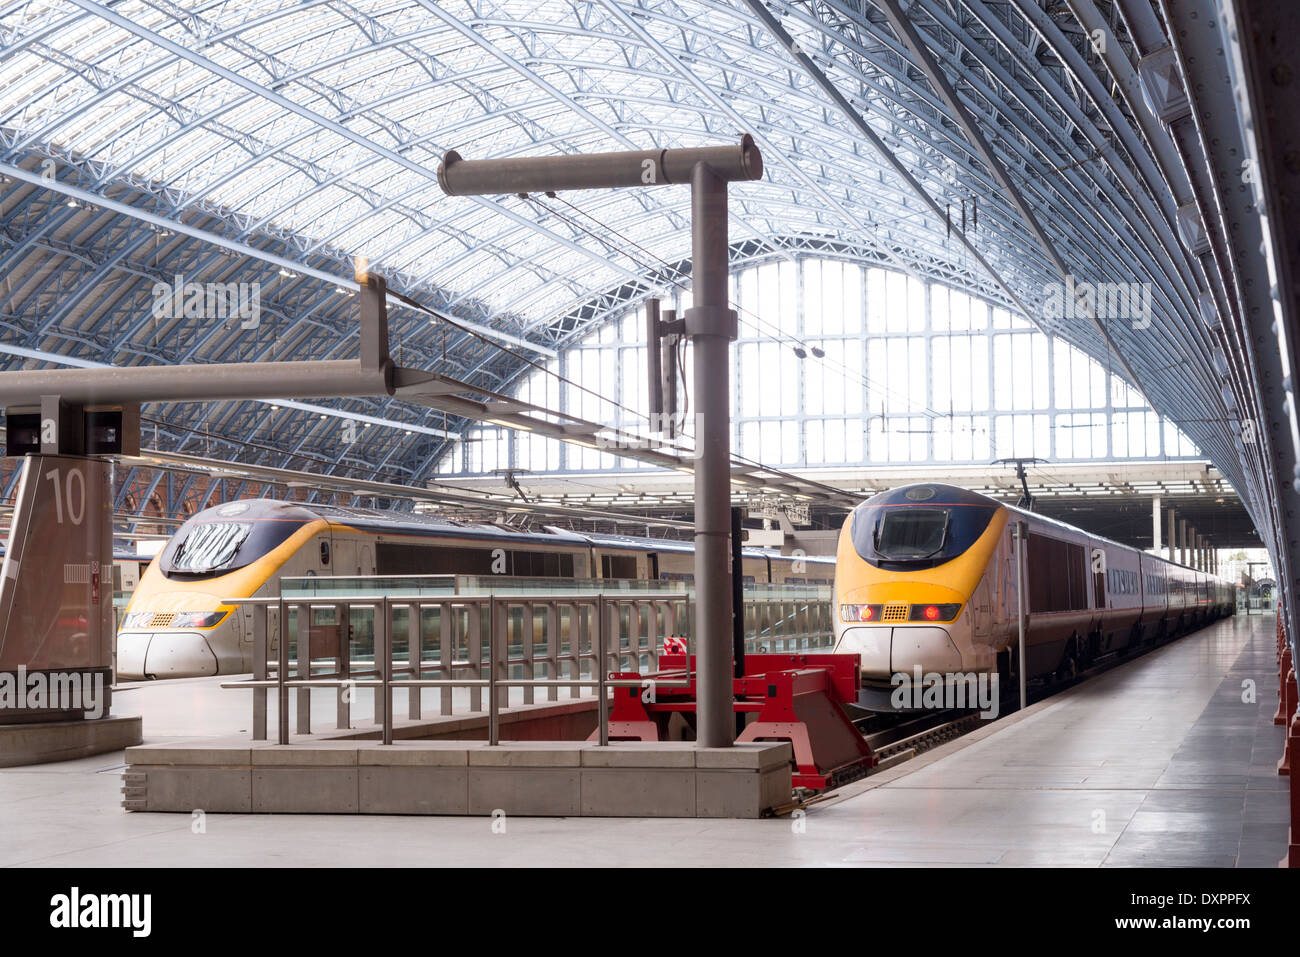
point(462, 177)
point(190, 383)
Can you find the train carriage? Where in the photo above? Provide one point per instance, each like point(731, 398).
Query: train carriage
point(178, 624)
point(926, 578)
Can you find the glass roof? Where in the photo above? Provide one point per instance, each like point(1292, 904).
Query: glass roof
point(314, 129)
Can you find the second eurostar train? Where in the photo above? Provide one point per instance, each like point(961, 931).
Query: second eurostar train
point(926, 577)
point(177, 624)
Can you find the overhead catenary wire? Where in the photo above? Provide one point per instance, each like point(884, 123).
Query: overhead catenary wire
point(755, 322)
point(449, 320)
point(780, 473)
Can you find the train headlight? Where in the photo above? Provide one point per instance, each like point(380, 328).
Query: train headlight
point(136, 619)
point(198, 619)
point(934, 612)
point(860, 612)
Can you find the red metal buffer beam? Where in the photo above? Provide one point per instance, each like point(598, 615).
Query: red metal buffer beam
point(794, 697)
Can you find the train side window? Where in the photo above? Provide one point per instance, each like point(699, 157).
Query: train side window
point(1057, 573)
point(541, 564)
point(324, 553)
point(618, 566)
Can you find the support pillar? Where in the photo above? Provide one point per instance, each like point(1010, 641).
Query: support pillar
point(712, 326)
point(1284, 765)
point(1173, 527)
point(1284, 668)
point(1292, 858)
point(1155, 523)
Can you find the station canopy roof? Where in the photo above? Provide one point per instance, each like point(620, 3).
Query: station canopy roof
point(275, 140)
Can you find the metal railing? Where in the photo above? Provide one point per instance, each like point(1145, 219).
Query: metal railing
point(599, 634)
point(327, 639)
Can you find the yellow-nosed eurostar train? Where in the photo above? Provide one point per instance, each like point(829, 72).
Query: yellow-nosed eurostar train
point(178, 624)
point(926, 577)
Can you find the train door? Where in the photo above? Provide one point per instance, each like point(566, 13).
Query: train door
point(982, 604)
point(1010, 582)
point(345, 556)
point(653, 560)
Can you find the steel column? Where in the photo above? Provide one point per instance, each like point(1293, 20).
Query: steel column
point(1155, 523)
point(711, 327)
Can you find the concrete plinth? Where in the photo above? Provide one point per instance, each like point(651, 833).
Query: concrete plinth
point(43, 742)
point(531, 779)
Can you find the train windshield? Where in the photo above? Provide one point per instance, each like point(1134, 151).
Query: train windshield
point(205, 549)
point(914, 537)
point(209, 548)
point(911, 533)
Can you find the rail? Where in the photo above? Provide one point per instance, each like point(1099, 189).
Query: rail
point(593, 619)
point(433, 636)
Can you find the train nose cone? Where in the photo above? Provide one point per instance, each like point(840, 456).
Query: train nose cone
point(164, 655)
point(871, 644)
point(131, 650)
point(886, 651)
point(927, 647)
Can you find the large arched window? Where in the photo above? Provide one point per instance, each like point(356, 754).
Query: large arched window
point(840, 364)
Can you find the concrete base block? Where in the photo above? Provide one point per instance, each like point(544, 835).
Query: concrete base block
point(525, 791)
point(732, 793)
point(413, 790)
point(42, 742)
point(520, 779)
point(639, 792)
point(219, 790)
point(327, 790)
point(529, 754)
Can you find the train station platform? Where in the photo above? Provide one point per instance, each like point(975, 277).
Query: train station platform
point(1169, 760)
point(1164, 761)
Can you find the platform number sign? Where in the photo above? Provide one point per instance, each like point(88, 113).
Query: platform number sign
point(69, 495)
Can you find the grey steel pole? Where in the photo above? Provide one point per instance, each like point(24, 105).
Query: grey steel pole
point(711, 325)
point(1022, 669)
point(199, 383)
point(282, 672)
point(536, 174)
point(654, 371)
point(602, 690)
point(1155, 523)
